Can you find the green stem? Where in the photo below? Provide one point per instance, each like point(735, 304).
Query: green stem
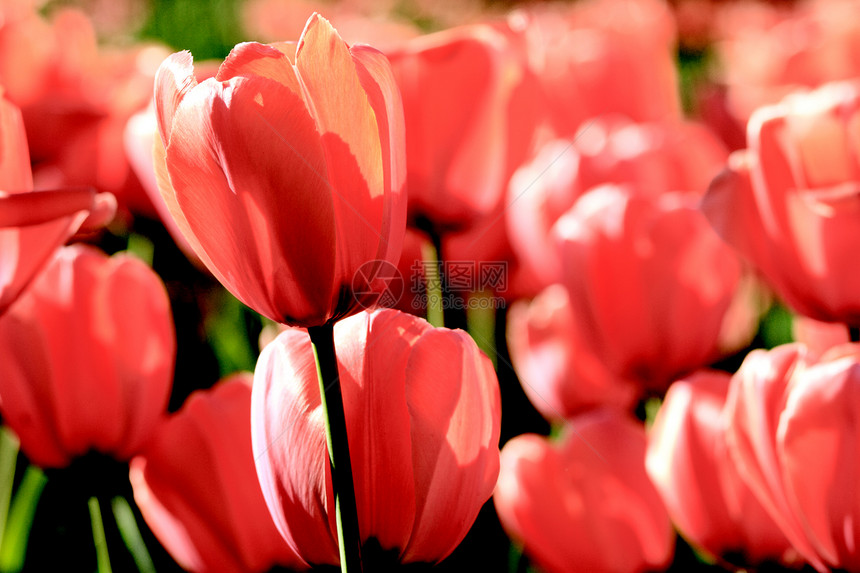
point(102, 557)
point(13, 549)
point(481, 322)
point(130, 533)
point(349, 538)
point(8, 460)
point(433, 282)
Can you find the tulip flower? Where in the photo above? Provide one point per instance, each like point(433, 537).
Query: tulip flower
point(789, 203)
point(791, 429)
point(285, 171)
point(422, 409)
point(197, 489)
point(34, 224)
point(650, 281)
point(654, 158)
point(585, 502)
point(470, 114)
point(86, 358)
point(689, 463)
point(558, 371)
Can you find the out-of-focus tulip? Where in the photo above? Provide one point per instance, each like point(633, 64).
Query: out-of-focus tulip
point(603, 56)
point(466, 97)
point(197, 489)
point(558, 371)
point(33, 224)
point(791, 203)
point(585, 502)
point(423, 416)
point(792, 432)
point(654, 158)
point(689, 463)
point(649, 279)
point(768, 51)
point(86, 358)
point(285, 171)
point(819, 337)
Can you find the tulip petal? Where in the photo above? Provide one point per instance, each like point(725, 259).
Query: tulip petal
point(15, 174)
point(350, 137)
point(173, 80)
point(250, 59)
point(453, 469)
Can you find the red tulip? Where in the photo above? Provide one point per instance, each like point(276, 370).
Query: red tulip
point(285, 171)
point(558, 371)
point(585, 502)
point(86, 358)
point(197, 489)
point(466, 99)
point(689, 463)
point(422, 413)
point(817, 336)
point(33, 224)
point(792, 433)
point(790, 203)
point(654, 158)
point(650, 281)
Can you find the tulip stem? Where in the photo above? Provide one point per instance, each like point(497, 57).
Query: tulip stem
point(349, 539)
point(433, 281)
point(102, 557)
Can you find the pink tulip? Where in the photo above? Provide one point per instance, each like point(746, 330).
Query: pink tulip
point(790, 202)
point(285, 171)
point(650, 281)
point(585, 502)
point(86, 358)
point(689, 463)
point(422, 412)
point(197, 489)
point(792, 433)
point(558, 371)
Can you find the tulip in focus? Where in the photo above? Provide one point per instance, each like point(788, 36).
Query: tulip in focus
point(86, 358)
point(585, 502)
point(790, 203)
point(197, 489)
point(793, 435)
point(689, 463)
point(285, 171)
point(650, 281)
point(423, 415)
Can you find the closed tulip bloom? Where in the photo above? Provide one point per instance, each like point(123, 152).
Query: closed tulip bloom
point(790, 203)
point(689, 462)
point(792, 432)
point(466, 97)
point(558, 371)
point(33, 224)
point(197, 489)
point(285, 171)
point(650, 281)
point(423, 415)
point(585, 503)
point(86, 358)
